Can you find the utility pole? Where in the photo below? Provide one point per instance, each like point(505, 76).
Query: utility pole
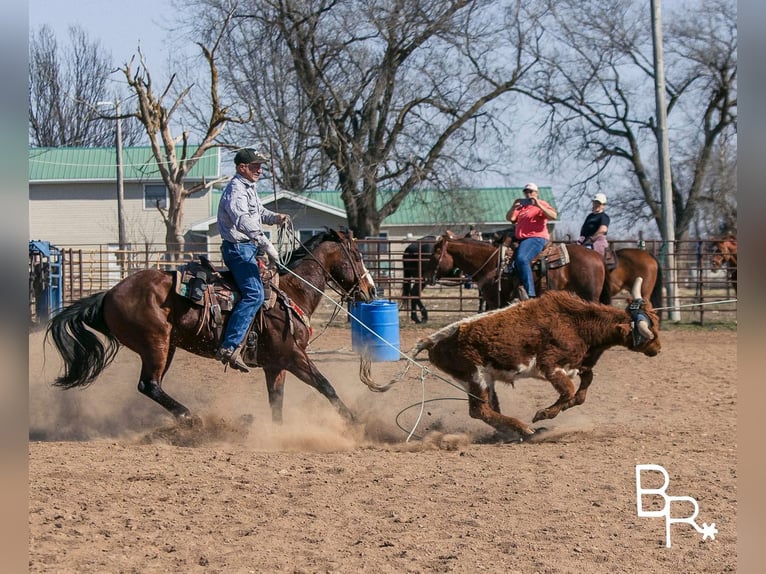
point(121, 242)
point(668, 227)
point(120, 184)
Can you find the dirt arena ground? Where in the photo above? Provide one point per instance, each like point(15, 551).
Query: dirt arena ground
point(114, 486)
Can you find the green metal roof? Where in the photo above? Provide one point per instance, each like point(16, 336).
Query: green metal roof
point(99, 163)
point(425, 207)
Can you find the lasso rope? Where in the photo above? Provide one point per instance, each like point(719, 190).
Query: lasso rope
point(286, 241)
point(675, 307)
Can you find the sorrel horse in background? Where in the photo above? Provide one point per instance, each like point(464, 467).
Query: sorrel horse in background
point(144, 313)
point(415, 256)
point(584, 275)
point(725, 254)
point(633, 263)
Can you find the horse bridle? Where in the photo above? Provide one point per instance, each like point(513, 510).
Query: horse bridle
point(342, 293)
point(445, 239)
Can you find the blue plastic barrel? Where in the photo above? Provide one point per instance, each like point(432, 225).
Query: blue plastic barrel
point(355, 310)
point(382, 318)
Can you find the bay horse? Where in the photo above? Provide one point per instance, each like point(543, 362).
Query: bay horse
point(633, 263)
point(416, 254)
point(725, 253)
point(144, 313)
point(584, 275)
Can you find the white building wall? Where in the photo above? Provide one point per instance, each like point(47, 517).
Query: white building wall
point(86, 214)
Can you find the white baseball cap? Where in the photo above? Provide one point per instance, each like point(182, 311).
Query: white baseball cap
point(532, 186)
point(600, 197)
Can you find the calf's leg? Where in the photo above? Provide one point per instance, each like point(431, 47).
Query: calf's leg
point(566, 389)
point(480, 402)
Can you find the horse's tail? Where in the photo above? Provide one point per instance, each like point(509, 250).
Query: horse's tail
point(656, 296)
point(85, 355)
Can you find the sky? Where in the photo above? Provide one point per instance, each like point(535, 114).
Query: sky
point(120, 26)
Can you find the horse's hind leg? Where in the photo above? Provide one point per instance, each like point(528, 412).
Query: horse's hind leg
point(275, 385)
point(154, 365)
point(305, 369)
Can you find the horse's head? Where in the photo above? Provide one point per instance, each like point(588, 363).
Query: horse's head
point(503, 236)
point(725, 252)
point(440, 264)
point(345, 265)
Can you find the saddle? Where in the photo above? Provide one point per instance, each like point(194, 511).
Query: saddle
point(215, 291)
point(553, 256)
point(610, 259)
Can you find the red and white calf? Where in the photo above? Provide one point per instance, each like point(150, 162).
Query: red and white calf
point(554, 337)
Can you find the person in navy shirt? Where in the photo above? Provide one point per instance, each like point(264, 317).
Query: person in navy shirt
point(595, 227)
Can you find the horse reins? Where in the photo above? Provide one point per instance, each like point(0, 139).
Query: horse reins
point(480, 282)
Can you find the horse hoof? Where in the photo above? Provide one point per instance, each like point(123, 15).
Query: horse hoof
point(540, 415)
point(189, 421)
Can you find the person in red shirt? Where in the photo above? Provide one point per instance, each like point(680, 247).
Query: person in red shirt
point(530, 214)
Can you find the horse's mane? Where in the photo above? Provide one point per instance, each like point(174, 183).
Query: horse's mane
point(312, 243)
point(472, 241)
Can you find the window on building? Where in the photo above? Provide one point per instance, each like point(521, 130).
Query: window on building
point(154, 193)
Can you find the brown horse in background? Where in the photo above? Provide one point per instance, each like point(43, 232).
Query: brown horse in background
point(631, 264)
point(144, 313)
point(584, 275)
point(415, 256)
point(725, 254)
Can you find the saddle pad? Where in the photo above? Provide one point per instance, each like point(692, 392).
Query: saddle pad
point(556, 255)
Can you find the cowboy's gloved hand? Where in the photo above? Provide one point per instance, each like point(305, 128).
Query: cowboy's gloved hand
point(283, 219)
point(271, 251)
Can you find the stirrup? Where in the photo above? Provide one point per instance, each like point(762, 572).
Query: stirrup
point(231, 358)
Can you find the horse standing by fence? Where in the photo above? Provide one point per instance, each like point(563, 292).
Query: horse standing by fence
point(725, 254)
point(416, 254)
point(584, 275)
point(144, 313)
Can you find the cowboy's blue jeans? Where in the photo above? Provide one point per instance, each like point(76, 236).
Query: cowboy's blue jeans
point(527, 250)
point(240, 259)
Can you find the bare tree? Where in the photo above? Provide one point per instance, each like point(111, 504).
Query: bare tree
point(597, 79)
point(256, 71)
point(175, 155)
point(65, 85)
point(378, 98)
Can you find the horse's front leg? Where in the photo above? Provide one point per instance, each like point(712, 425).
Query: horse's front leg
point(275, 385)
point(423, 311)
point(305, 369)
point(562, 382)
